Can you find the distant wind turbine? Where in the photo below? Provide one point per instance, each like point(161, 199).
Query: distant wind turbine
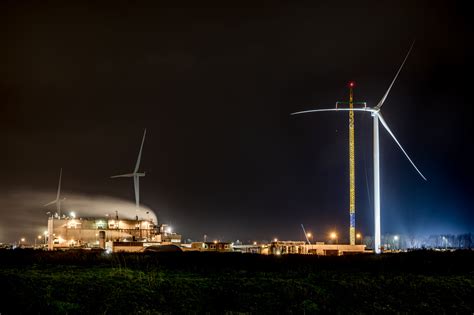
point(136, 175)
point(58, 199)
point(375, 112)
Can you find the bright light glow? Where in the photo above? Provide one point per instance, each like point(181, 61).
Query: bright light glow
point(308, 235)
point(39, 237)
point(22, 239)
point(45, 233)
point(278, 253)
point(351, 84)
point(333, 235)
point(254, 243)
point(275, 239)
point(358, 235)
point(168, 229)
point(73, 214)
point(215, 241)
point(395, 238)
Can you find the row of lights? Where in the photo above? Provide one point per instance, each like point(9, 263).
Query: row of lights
point(332, 235)
point(39, 237)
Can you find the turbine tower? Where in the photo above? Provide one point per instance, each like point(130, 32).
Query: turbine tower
point(377, 115)
point(58, 199)
point(136, 175)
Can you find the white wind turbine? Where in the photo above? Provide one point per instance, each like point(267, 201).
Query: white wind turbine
point(58, 199)
point(375, 112)
point(136, 175)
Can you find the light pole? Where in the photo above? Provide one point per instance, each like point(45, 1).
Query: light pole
point(309, 236)
point(333, 236)
point(395, 242)
point(359, 237)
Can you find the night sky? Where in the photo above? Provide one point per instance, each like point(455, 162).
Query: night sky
point(214, 86)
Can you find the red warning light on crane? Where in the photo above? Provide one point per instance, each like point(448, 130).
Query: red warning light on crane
point(351, 84)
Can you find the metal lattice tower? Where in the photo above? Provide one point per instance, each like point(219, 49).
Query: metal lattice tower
point(352, 233)
point(351, 167)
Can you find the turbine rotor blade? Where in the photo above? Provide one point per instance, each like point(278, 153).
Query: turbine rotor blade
point(140, 153)
point(50, 203)
point(123, 175)
point(395, 78)
point(394, 138)
point(59, 185)
point(367, 109)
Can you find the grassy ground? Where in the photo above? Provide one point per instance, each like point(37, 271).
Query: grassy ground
point(78, 282)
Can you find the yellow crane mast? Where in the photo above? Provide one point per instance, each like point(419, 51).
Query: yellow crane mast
point(351, 167)
point(351, 103)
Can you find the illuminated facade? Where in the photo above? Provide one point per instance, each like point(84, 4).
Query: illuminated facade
point(68, 233)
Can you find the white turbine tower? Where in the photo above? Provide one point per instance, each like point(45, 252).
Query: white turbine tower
point(136, 175)
point(58, 199)
point(375, 112)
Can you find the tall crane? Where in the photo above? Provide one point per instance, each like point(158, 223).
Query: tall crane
point(351, 167)
point(352, 234)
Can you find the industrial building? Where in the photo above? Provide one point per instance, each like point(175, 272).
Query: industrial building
point(107, 233)
point(320, 248)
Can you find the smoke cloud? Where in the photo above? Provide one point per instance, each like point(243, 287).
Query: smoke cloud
point(23, 213)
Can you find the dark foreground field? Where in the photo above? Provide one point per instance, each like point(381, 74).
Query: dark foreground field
point(91, 283)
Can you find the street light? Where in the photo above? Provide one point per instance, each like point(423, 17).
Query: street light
point(309, 236)
point(359, 237)
point(333, 236)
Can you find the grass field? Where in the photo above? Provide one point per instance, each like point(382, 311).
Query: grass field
point(96, 283)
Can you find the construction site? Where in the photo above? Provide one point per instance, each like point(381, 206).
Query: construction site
point(114, 234)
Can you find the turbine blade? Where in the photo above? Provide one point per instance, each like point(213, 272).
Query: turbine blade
point(59, 185)
point(140, 153)
point(395, 78)
point(123, 175)
point(394, 138)
point(367, 109)
point(136, 184)
point(50, 203)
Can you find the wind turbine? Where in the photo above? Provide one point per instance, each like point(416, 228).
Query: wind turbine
point(377, 115)
point(58, 199)
point(136, 175)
